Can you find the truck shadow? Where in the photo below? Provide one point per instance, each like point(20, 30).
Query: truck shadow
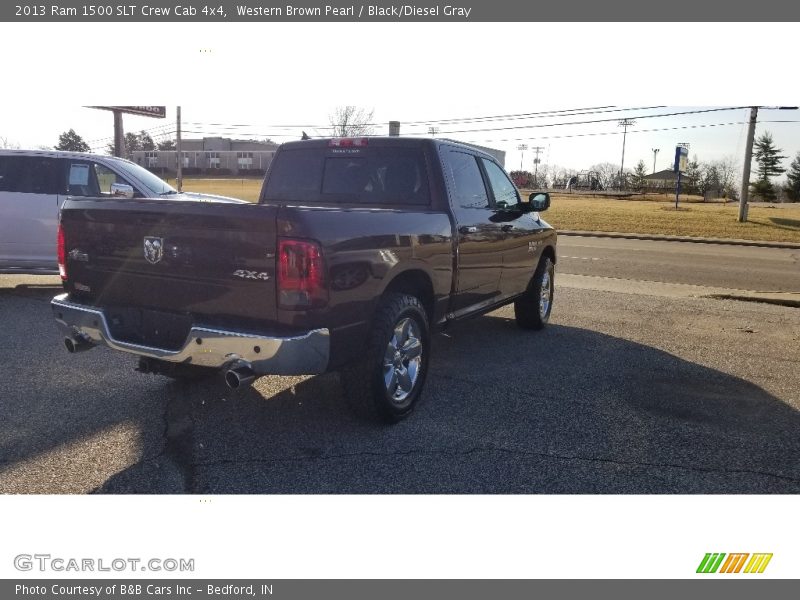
point(565, 410)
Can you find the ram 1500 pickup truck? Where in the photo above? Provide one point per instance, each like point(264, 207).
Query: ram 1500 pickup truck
point(355, 252)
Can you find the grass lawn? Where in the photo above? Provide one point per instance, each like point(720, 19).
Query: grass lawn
point(651, 214)
point(245, 189)
point(765, 222)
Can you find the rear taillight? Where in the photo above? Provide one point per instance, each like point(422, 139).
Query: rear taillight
point(62, 253)
point(301, 275)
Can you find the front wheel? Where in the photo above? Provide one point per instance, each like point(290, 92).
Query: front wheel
point(532, 309)
point(390, 377)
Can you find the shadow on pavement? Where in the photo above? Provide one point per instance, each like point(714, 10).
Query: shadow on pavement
point(566, 410)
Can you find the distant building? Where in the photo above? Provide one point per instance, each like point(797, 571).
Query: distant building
point(211, 156)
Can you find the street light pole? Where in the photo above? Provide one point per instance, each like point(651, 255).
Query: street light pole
point(522, 147)
point(655, 153)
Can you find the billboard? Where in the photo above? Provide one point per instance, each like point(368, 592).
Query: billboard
point(159, 112)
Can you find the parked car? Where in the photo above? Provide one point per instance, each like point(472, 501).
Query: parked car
point(356, 251)
point(34, 185)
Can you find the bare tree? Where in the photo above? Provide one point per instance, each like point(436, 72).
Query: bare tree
point(607, 172)
point(351, 121)
point(7, 143)
point(728, 172)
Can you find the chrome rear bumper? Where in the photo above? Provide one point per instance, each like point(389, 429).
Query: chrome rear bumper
point(305, 354)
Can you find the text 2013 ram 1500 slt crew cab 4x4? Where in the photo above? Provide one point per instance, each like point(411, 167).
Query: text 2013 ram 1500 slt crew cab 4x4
point(356, 250)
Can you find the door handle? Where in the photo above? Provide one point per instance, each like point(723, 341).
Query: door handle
point(508, 227)
point(467, 229)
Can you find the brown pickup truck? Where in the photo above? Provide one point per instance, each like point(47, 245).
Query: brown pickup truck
point(355, 252)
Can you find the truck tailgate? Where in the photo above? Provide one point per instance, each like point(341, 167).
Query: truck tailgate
point(205, 262)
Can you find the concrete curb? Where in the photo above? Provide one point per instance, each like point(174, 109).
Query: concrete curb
point(675, 290)
point(679, 238)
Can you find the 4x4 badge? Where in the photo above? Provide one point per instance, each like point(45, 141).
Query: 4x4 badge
point(153, 249)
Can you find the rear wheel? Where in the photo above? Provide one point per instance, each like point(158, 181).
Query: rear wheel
point(532, 309)
point(390, 377)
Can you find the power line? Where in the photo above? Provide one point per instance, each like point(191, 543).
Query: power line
point(593, 121)
point(600, 133)
point(468, 131)
point(151, 130)
point(513, 116)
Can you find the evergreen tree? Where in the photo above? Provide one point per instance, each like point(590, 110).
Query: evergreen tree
point(694, 177)
point(793, 176)
point(69, 140)
point(769, 160)
point(135, 142)
point(639, 173)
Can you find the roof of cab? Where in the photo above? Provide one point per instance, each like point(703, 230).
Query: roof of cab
point(384, 141)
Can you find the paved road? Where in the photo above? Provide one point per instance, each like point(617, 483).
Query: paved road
point(627, 391)
point(715, 265)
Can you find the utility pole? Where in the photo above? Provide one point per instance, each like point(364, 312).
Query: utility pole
point(625, 123)
point(748, 157)
point(433, 131)
point(522, 148)
point(655, 153)
point(536, 162)
point(119, 136)
point(179, 154)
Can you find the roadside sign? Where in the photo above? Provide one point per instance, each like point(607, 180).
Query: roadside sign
point(158, 112)
point(681, 159)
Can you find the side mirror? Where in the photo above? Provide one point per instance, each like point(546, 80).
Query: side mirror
point(121, 190)
point(539, 201)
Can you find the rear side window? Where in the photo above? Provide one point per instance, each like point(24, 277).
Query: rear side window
point(363, 175)
point(90, 179)
point(469, 191)
point(29, 174)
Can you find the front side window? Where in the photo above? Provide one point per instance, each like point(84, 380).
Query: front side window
point(105, 178)
point(505, 194)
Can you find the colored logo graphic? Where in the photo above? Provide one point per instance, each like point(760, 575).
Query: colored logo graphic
point(734, 563)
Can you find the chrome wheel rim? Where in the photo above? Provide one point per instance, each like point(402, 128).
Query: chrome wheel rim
point(546, 294)
point(402, 360)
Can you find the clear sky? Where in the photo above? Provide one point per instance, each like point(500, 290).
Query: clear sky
point(257, 80)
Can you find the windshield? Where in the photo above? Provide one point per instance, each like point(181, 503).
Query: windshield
point(153, 182)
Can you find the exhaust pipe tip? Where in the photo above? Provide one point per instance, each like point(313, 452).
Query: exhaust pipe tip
point(239, 377)
point(76, 344)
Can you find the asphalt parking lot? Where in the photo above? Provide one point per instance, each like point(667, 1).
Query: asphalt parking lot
point(622, 393)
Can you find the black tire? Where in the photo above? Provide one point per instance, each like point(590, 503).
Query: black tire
point(368, 382)
point(529, 309)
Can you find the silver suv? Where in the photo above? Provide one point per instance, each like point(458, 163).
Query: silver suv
point(34, 185)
